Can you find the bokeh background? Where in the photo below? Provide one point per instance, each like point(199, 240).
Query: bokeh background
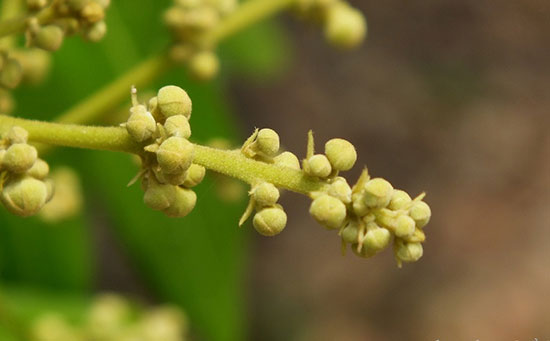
point(447, 97)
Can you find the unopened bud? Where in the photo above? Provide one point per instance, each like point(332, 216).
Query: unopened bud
point(141, 125)
point(204, 65)
point(341, 154)
point(48, 37)
point(19, 158)
point(345, 26)
point(96, 32)
point(400, 200)
point(11, 73)
point(287, 159)
point(265, 194)
point(377, 193)
point(318, 165)
point(194, 175)
point(173, 100)
point(270, 221)
point(178, 125)
point(421, 213)
point(24, 196)
point(340, 189)
point(328, 211)
point(183, 202)
point(175, 155)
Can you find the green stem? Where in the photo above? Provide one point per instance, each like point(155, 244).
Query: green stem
point(229, 162)
point(17, 25)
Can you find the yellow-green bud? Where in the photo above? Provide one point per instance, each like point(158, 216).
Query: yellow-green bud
point(39, 170)
point(11, 73)
point(34, 5)
point(175, 155)
point(200, 18)
point(204, 65)
point(270, 221)
point(341, 154)
point(340, 189)
point(158, 196)
point(359, 206)
point(421, 213)
point(194, 175)
point(103, 3)
point(24, 196)
point(35, 64)
point(178, 125)
point(154, 109)
point(376, 239)
point(345, 26)
point(19, 158)
point(267, 142)
point(350, 233)
point(50, 327)
point(287, 159)
point(107, 316)
point(16, 135)
point(49, 37)
point(76, 5)
point(404, 226)
point(183, 202)
point(365, 252)
point(377, 193)
point(175, 179)
point(407, 252)
point(265, 194)
point(417, 237)
point(400, 200)
point(92, 12)
point(328, 211)
point(173, 100)
point(318, 165)
point(163, 324)
point(141, 125)
point(96, 32)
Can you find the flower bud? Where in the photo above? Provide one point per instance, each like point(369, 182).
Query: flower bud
point(107, 317)
point(173, 100)
point(48, 37)
point(328, 211)
point(158, 196)
point(287, 159)
point(358, 204)
point(377, 238)
point(96, 32)
point(92, 12)
point(175, 179)
point(318, 165)
point(16, 135)
point(35, 64)
point(141, 125)
point(421, 213)
point(417, 237)
point(345, 26)
point(400, 200)
point(34, 5)
point(339, 188)
point(10, 73)
point(194, 175)
point(404, 226)
point(76, 5)
point(183, 202)
point(178, 125)
point(377, 193)
point(364, 252)
point(204, 65)
point(341, 154)
point(175, 155)
point(19, 158)
point(265, 194)
point(163, 324)
point(407, 252)
point(24, 196)
point(52, 326)
point(270, 221)
point(267, 142)
point(350, 233)
point(39, 169)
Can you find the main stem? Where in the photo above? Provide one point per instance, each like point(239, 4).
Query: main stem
point(229, 162)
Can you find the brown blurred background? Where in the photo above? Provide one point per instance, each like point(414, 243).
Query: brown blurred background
point(450, 97)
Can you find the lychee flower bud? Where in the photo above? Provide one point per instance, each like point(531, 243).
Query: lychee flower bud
point(407, 252)
point(163, 324)
point(24, 196)
point(204, 65)
point(16, 135)
point(34, 5)
point(358, 204)
point(350, 233)
point(400, 200)
point(287, 159)
point(158, 196)
point(339, 188)
point(194, 175)
point(376, 238)
point(107, 316)
point(182, 203)
point(173, 100)
point(39, 170)
point(270, 221)
point(404, 226)
point(92, 12)
point(95, 32)
point(328, 211)
point(341, 154)
point(265, 194)
point(178, 125)
point(19, 158)
point(267, 142)
point(345, 26)
point(377, 193)
point(10, 73)
point(48, 37)
point(175, 179)
point(318, 165)
point(140, 125)
point(421, 213)
point(175, 155)
point(35, 64)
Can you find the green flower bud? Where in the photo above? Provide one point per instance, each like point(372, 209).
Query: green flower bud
point(19, 158)
point(48, 37)
point(175, 179)
point(175, 155)
point(358, 204)
point(345, 26)
point(166, 323)
point(376, 239)
point(404, 226)
point(377, 193)
point(178, 125)
point(421, 213)
point(104, 3)
point(35, 64)
point(287, 159)
point(39, 170)
point(96, 32)
point(11, 73)
point(107, 317)
point(76, 5)
point(24, 196)
point(328, 211)
point(270, 221)
point(265, 194)
point(318, 165)
point(141, 125)
point(267, 142)
point(364, 252)
point(155, 110)
point(341, 154)
point(339, 188)
point(50, 327)
point(16, 135)
point(350, 233)
point(158, 196)
point(34, 5)
point(184, 201)
point(194, 175)
point(204, 65)
point(407, 252)
point(173, 100)
point(200, 18)
point(92, 12)
point(400, 200)
point(417, 237)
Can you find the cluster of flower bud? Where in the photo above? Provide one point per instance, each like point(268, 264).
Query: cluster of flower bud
point(112, 318)
point(168, 170)
point(340, 155)
point(189, 20)
point(344, 26)
point(23, 184)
